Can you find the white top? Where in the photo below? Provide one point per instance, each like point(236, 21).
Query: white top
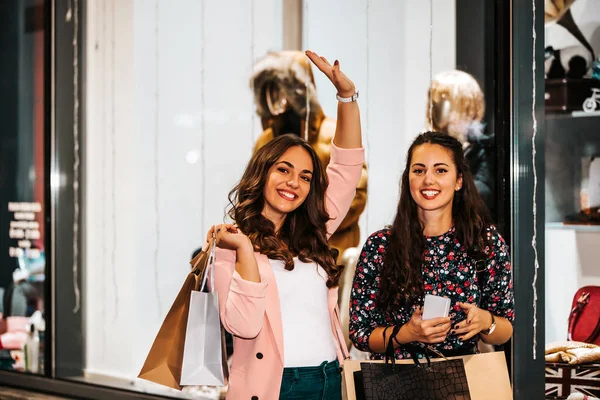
point(307, 336)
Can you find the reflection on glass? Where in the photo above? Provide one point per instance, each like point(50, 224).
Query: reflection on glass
point(173, 124)
point(22, 244)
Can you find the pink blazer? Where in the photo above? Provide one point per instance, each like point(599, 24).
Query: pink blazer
point(251, 311)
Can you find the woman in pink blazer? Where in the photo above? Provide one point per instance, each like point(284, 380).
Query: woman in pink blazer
point(275, 275)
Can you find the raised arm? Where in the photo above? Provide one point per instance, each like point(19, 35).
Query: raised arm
point(347, 131)
point(347, 155)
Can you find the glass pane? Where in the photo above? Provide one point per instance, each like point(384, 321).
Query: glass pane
point(171, 123)
point(22, 185)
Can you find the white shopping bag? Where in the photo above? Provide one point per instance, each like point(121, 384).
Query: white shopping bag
point(204, 354)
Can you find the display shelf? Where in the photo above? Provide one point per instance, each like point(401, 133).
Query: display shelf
point(579, 114)
point(574, 114)
point(578, 228)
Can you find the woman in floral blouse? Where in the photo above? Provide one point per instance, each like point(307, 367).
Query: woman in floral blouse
point(442, 242)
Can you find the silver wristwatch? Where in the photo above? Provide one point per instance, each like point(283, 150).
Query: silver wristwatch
point(347, 99)
point(489, 330)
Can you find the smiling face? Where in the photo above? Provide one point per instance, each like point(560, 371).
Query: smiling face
point(288, 184)
point(433, 178)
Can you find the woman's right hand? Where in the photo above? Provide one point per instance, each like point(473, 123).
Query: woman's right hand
point(428, 331)
point(228, 237)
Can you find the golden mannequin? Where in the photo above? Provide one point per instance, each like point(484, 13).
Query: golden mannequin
point(281, 81)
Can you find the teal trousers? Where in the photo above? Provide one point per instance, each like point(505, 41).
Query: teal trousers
point(312, 383)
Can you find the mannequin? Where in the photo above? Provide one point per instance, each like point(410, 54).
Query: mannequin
point(458, 107)
point(281, 81)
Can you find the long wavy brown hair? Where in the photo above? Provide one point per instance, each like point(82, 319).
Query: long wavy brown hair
point(401, 279)
point(303, 233)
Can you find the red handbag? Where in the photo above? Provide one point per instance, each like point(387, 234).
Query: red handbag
point(584, 320)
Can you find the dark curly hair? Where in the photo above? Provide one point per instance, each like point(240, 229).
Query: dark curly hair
point(401, 278)
point(303, 233)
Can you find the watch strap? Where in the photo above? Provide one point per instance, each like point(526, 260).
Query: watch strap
point(492, 326)
point(350, 99)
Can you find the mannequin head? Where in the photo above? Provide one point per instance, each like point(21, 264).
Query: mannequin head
point(458, 103)
point(281, 82)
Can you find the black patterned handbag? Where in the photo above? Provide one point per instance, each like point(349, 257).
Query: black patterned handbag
point(440, 380)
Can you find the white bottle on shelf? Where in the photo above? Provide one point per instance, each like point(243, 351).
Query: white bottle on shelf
point(37, 320)
point(32, 349)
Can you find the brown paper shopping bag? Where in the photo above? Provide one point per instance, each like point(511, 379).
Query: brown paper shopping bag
point(164, 361)
point(486, 374)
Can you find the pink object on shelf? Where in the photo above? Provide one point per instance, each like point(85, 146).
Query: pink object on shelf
point(13, 340)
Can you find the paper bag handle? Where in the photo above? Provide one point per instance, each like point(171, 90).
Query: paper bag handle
point(210, 267)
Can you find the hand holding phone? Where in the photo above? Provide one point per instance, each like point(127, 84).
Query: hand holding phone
point(435, 307)
point(431, 328)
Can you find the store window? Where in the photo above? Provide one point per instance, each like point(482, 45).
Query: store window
point(167, 94)
point(147, 98)
point(23, 182)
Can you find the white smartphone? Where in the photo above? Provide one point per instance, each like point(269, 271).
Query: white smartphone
point(435, 306)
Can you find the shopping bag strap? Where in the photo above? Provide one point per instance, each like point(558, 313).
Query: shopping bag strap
point(390, 356)
point(209, 270)
point(390, 353)
point(412, 350)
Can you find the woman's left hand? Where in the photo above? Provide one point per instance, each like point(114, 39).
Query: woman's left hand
point(476, 321)
point(345, 87)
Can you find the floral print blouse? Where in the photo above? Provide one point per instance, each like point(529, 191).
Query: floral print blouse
point(447, 271)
